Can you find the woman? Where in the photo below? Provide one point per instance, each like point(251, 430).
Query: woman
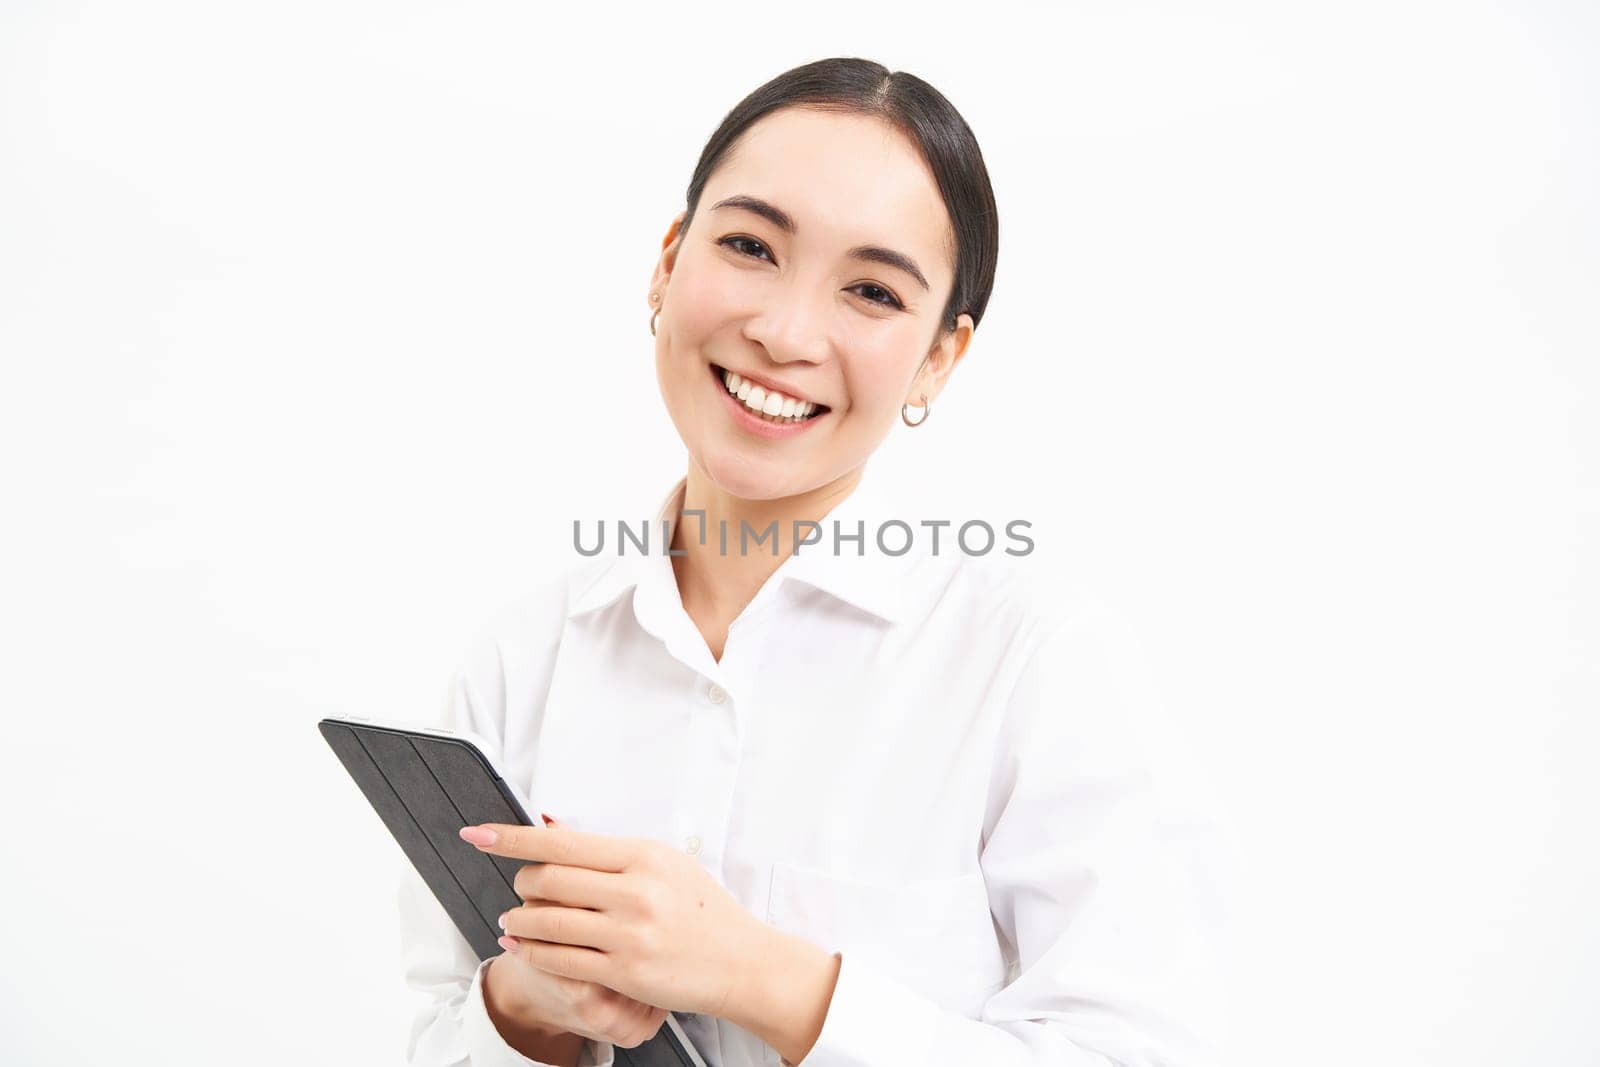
point(826, 801)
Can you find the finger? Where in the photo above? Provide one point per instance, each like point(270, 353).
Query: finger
point(550, 844)
point(577, 887)
point(647, 1024)
point(561, 926)
point(571, 961)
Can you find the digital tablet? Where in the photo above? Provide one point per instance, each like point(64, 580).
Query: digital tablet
point(426, 784)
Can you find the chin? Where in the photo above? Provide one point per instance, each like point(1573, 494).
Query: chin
point(739, 478)
point(747, 479)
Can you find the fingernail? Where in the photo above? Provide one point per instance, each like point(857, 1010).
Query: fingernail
point(502, 920)
point(548, 821)
point(478, 835)
point(508, 943)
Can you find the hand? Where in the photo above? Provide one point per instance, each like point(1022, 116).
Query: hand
point(553, 1005)
point(631, 914)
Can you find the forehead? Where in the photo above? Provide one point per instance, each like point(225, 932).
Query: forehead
point(846, 179)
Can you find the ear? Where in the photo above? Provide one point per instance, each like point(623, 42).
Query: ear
point(668, 258)
point(940, 361)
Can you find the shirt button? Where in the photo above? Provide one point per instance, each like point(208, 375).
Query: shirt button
point(691, 845)
point(717, 694)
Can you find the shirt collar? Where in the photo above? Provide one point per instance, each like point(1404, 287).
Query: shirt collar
point(858, 573)
point(595, 587)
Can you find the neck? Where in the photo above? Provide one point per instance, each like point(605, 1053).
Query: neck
point(717, 583)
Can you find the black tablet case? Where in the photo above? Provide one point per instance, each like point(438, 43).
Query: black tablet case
point(426, 788)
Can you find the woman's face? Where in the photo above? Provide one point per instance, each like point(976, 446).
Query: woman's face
point(801, 307)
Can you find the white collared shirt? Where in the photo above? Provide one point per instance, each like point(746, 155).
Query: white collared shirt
point(951, 776)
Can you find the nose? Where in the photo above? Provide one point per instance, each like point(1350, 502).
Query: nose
point(792, 324)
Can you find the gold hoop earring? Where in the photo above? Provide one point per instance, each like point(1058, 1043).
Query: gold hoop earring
point(926, 408)
point(653, 298)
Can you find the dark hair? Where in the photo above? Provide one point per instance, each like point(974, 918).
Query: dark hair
point(923, 114)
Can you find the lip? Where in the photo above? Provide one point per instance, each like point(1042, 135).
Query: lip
point(747, 421)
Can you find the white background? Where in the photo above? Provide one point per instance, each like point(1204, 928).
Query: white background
point(322, 321)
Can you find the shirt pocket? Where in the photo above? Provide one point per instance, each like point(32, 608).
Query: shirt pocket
point(934, 934)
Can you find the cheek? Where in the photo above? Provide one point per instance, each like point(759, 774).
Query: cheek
point(702, 300)
point(876, 377)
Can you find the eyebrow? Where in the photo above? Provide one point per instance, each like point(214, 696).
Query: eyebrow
point(780, 218)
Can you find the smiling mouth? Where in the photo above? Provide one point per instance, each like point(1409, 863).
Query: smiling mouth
point(758, 401)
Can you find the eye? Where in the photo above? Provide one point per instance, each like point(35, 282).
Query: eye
point(892, 301)
point(738, 244)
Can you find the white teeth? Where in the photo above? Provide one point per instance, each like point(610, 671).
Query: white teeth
point(775, 406)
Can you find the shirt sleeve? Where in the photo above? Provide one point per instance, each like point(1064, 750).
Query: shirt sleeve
point(1105, 867)
point(450, 1025)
